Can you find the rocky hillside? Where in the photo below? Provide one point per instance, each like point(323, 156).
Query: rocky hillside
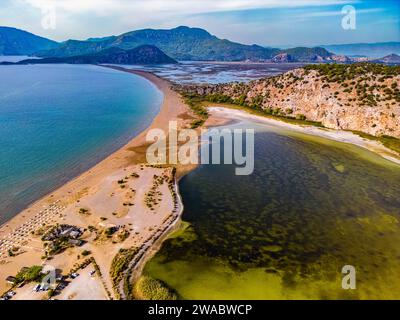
point(363, 97)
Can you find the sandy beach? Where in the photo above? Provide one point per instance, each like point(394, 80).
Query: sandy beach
point(229, 114)
point(93, 189)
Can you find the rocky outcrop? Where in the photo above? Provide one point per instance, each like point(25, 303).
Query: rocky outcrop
point(340, 58)
point(363, 97)
point(282, 57)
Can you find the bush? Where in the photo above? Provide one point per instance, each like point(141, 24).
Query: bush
point(147, 288)
point(301, 117)
point(33, 273)
point(86, 253)
point(120, 263)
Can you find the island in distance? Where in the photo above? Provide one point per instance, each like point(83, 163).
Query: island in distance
point(145, 54)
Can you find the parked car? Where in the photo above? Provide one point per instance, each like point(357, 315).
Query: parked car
point(74, 275)
point(11, 293)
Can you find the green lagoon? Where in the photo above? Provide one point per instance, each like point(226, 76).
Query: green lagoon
point(311, 206)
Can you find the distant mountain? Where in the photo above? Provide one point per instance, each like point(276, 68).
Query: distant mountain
point(18, 42)
point(389, 59)
point(303, 54)
point(145, 54)
point(181, 43)
point(371, 50)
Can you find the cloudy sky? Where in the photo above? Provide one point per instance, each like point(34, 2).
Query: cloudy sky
point(265, 22)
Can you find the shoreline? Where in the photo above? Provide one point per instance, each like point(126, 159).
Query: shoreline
point(69, 195)
point(135, 270)
point(224, 112)
point(166, 111)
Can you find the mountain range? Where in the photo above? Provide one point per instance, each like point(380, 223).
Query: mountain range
point(370, 50)
point(181, 43)
point(18, 42)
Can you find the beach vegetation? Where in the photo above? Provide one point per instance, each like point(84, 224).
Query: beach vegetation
point(147, 288)
point(84, 211)
point(50, 293)
point(86, 253)
point(30, 274)
point(120, 263)
point(194, 101)
point(301, 117)
point(388, 141)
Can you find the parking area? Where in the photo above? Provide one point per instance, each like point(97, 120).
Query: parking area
point(86, 286)
point(28, 292)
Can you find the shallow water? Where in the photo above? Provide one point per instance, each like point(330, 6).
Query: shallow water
point(285, 232)
point(15, 58)
point(190, 72)
point(56, 121)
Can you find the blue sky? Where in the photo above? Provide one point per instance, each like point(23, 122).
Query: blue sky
point(265, 22)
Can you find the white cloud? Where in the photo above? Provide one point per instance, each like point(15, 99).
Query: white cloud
point(337, 13)
point(173, 6)
point(80, 19)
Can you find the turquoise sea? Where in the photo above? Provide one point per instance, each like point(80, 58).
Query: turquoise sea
point(57, 121)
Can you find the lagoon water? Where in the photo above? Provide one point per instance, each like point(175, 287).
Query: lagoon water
point(195, 72)
point(311, 207)
point(57, 121)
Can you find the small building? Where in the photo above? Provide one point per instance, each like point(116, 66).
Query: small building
point(75, 234)
point(11, 279)
point(75, 242)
